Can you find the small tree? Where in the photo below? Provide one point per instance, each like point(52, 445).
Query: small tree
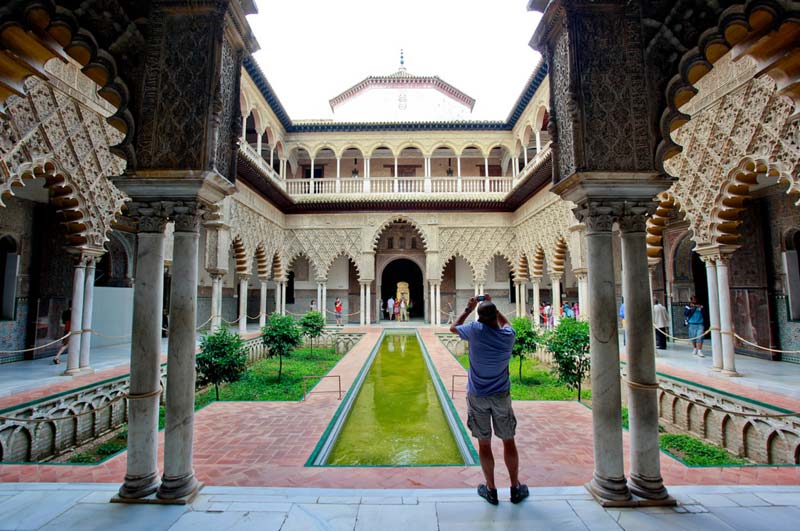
point(312, 324)
point(221, 359)
point(526, 340)
point(569, 343)
point(281, 335)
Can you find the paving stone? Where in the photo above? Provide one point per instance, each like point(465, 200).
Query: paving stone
point(244, 507)
point(534, 516)
point(641, 521)
point(593, 515)
point(117, 516)
point(35, 508)
point(397, 517)
point(348, 500)
point(256, 521)
point(760, 518)
point(378, 500)
point(308, 517)
point(780, 498)
point(714, 500)
point(97, 497)
point(410, 500)
point(745, 499)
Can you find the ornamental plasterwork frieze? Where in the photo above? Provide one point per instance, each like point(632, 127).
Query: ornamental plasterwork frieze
point(477, 246)
point(323, 246)
point(747, 131)
point(547, 225)
point(49, 134)
point(254, 230)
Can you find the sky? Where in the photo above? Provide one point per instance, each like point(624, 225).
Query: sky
point(312, 50)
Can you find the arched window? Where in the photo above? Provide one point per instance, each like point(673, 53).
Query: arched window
point(9, 260)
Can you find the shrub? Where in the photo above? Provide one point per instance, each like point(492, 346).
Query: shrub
point(221, 359)
point(110, 448)
point(312, 324)
point(569, 343)
point(282, 336)
point(526, 341)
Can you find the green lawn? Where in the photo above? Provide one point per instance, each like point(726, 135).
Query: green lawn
point(694, 452)
point(538, 383)
point(260, 382)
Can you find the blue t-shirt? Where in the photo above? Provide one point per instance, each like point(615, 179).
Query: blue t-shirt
point(489, 354)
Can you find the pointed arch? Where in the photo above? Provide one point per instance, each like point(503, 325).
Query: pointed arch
point(452, 258)
point(240, 255)
point(539, 261)
point(317, 269)
point(346, 254)
point(261, 261)
point(400, 218)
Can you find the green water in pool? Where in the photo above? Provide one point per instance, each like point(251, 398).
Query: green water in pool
point(396, 418)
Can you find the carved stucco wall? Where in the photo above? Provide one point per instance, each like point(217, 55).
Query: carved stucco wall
point(50, 134)
point(740, 125)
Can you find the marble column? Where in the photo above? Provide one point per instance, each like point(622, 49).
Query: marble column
point(323, 305)
point(555, 280)
point(86, 325)
point(645, 475)
point(283, 297)
point(713, 312)
point(216, 301)
point(368, 298)
point(725, 317)
point(361, 319)
point(432, 304)
point(608, 481)
point(535, 301)
point(438, 304)
point(583, 300)
point(76, 317)
point(178, 480)
point(277, 296)
point(262, 306)
point(243, 283)
point(141, 476)
point(523, 295)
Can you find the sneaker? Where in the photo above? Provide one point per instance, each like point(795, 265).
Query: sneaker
point(490, 495)
point(519, 493)
point(694, 352)
point(700, 354)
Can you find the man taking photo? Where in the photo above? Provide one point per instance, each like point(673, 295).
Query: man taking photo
point(491, 339)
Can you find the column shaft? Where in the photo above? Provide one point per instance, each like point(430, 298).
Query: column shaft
point(645, 474)
point(555, 280)
point(283, 298)
point(535, 302)
point(178, 480)
point(608, 481)
point(361, 319)
point(433, 304)
point(76, 318)
point(368, 297)
point(713, 313)
point(523, 295)
point(216, 303)
point(141, 477)
point(438, 304)
point(725, 318)
point(323, 306)
point(86, 325)
point(243, 282)
point(277, 297)
point(262, 306)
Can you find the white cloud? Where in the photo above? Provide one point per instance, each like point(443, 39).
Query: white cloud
point(311, 50)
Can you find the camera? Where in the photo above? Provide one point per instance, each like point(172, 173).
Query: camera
point(480, 298)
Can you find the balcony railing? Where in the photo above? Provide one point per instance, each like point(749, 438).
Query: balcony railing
point(400, 185)
point(254, 157)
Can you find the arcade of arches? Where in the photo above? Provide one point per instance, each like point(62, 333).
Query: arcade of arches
point(673, 175)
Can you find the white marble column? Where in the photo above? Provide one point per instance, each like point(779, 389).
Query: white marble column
point(319, 296)
point(725, 317)
point(277, 296)
point(86, 325)
point(283, 297)
point(535, 301)
point(141, 476)
point(713, 312)
point(178, 480)
point(645, 475)
point(523, 296)
point(243, 283)
point(368, 298)
point(555, 280)
point(262, 306)
point(438, 304)
point(361, 306)
point(432, 304)
point(216, 301)
point(608, 481)
point(323, 306)
point(583, 289)
point(76, 317)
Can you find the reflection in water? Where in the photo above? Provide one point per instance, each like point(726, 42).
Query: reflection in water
point(396, 418)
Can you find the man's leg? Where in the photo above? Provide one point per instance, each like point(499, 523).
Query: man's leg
point(511, 457)
point(487, 461)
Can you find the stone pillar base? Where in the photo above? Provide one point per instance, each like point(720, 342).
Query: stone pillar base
point(609, 490)
point(732, 374)
point(647, 488)
point(137, 488)
point(79, 371)
point(155, 500)
point(184, 487)
point(632, 502)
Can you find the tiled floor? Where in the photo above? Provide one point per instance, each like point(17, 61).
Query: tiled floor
point(268, 443)
point(86, 507)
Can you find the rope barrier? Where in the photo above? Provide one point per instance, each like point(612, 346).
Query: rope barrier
point(53, 342)
point(704, 334)
point(344, 314)
point(743, 340)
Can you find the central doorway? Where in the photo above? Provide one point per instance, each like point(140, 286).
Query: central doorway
point(404, 270)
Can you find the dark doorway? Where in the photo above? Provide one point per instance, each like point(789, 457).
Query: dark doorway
point(700, 279)
point(404, 270)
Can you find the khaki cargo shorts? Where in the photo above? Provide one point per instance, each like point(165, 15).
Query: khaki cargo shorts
point(485, 412)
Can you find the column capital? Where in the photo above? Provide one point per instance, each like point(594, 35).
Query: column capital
point(581, 273)
point(633, 217)
point(187, 216)
point(242, 276)
point(715, 253)
point(597, 216)
point(150, 216)
point(216, 273)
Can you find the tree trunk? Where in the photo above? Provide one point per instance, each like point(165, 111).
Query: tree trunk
point(280, 366)
point(520, 369)
point(216, 389)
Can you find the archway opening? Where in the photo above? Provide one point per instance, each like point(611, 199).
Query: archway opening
point(405, 271)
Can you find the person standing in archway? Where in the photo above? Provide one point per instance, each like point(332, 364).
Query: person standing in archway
point(337, 309)
point(390, 308)
point(491, 340)
point(403, 309)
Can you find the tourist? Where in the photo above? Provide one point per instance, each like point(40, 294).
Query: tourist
point(396, 310)
point(312, 305)
point(390, 308)
point(451, 312)
point(622, 319)
point(661, 322)
point(66, 320)
point(693, 312)
point(575, 310)
point(490, 339)
point(337, 310)
point(403, 309)
point(548, 316)
point(567, 312)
